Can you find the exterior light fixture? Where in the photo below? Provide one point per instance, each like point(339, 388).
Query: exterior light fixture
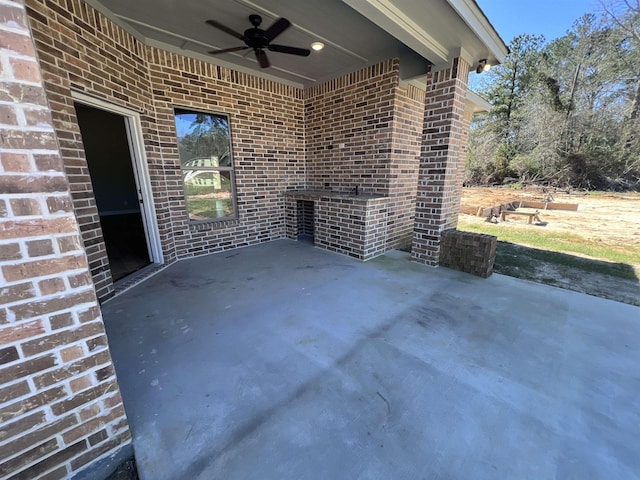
point(483, 66)
point(317, 46)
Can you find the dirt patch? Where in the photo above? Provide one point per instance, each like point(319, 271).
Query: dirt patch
point(611, 220)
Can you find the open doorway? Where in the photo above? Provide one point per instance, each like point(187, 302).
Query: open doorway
point(117, 189)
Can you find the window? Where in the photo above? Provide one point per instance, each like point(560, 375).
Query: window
point(204, 144)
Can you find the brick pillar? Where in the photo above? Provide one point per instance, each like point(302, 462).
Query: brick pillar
point(60, 406)
point(438, 196)
point(462, 157)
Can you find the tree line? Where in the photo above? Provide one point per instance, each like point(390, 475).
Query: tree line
point(564, 113)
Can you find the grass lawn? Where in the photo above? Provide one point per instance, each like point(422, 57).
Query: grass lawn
point(580, 249)
point(565, 260)
point(594, 250)
point(206, 208)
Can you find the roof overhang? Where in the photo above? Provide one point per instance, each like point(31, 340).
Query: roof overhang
point(439, 30)
point(423, 34)
point(474, 103)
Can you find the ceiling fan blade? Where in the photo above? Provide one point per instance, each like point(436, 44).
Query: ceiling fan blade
point(262, 58)
point(225, 50)
point(225, 29)
point(279, 26)
point(303, 52)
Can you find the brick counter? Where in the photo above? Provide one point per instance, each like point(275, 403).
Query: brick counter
point(355, 225)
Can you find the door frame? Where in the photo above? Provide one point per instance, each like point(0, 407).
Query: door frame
point(141, 176)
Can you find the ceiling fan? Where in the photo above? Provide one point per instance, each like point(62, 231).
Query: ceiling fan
point(259, 40)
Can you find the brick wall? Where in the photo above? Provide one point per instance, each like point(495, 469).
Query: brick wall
point(405, 159)
point(438, 194)
point(82, 50)
point(79, 49)
point(380, 125)
point(378, 122)
point(355, 110)
point(267, 133)
point(473, 253)
point(464, 141)
point(60, 407)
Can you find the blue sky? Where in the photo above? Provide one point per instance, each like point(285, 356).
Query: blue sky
point(552, 18)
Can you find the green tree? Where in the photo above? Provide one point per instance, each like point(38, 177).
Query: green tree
point(511, 81)
point(507, 88)
point(207, 136)
point(625, 18)
point(566, 112)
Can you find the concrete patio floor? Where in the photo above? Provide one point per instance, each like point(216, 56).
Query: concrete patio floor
point(283, 361)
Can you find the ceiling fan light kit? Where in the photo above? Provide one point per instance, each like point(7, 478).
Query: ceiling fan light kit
point(260, 40)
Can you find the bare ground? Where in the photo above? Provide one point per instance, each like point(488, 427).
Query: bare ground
point(612, 220)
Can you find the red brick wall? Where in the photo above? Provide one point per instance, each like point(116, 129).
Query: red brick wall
point(464, 141)
point(267, 142)
point(280, 134)
point(380, 125)
point(405, 160)
point(355, 110)
point(60, 406)
point(82, 50)
point(438, 195)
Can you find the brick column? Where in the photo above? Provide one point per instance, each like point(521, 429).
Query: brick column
point(60, 406)
point(443, 137)
point(462, 157)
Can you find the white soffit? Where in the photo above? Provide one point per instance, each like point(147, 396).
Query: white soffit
point(356, 33)
point(475, 103)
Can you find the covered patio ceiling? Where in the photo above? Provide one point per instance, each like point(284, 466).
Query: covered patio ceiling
point(356, 33)
point(287, 361)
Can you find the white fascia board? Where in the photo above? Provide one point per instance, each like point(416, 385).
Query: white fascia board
point(481, 27)
point(475, 103)
point(391, 19)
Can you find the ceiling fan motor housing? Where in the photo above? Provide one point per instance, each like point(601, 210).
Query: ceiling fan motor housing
point(255, 38)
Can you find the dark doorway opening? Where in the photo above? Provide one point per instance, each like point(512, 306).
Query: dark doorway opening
point(107, 149)
point(305, 221)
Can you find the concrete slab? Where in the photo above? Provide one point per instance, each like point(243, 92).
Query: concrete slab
point(286, 361)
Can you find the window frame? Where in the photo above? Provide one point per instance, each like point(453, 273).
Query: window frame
point(177, 109)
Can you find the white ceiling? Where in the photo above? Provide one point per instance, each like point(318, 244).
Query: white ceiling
point(351, 40)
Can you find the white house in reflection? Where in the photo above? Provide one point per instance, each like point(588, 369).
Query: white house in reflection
point(199, 177)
